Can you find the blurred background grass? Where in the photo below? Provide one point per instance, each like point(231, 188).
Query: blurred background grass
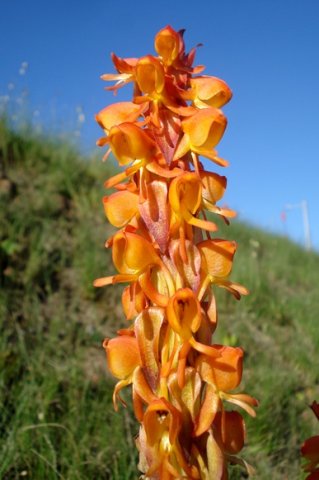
point(57, 419)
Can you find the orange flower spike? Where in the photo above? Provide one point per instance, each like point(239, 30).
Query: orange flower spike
point(180, 380)
point(168, 44)
point(185, 197)
point(209, 92)
point(123, 358)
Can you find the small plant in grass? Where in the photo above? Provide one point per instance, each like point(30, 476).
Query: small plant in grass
point(168, 252)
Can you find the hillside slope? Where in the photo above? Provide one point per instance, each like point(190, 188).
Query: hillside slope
point(57, 418)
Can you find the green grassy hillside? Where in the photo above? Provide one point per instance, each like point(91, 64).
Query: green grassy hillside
point(57, 419)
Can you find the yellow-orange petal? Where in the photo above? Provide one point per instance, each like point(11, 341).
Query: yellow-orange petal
point(217, 256)
point(187, 399)
point(142, 387)
point(151, 292)
point(118, 113)
point(223, 372)
point(122, 355)
point(205, 128)
point(210, 91)
point(214, 186)
point(167, 44)
point(149, 75)
point(185, 192)
point(215, 459)
point(209, 408)
point(132, 254)
point(128, 142)
point(121, 207)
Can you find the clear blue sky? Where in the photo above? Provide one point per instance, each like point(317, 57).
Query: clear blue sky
point(267, 51)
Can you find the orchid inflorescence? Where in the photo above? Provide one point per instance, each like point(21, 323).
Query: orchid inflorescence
point(164, 250)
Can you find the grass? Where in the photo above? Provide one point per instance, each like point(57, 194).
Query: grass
point(57, 419)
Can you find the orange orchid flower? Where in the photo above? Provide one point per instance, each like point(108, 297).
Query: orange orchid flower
point(214, 186)
point(166, 251)
point(162, 424)
point(168, 44)
point(209, 92)
point(150, 76)
point(129, 143)
point(222, 375)
point(185, 318)
point(121, 207)
point(118, 113)
point(185, 197)
point(132, 255)
point(202, 132)
point(217, 260)
point(123, 358)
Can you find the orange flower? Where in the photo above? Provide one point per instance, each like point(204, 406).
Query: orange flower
point(132, 255)
point(202, 132)
point(185, 197)
point(168, 44)
point(130, 143)
point(118, 113)
point(222, 375)
point(121, 207)
point(217, 260)
point(209, 92)
point(123, 358)
point(150, 76)
point(214, 186)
